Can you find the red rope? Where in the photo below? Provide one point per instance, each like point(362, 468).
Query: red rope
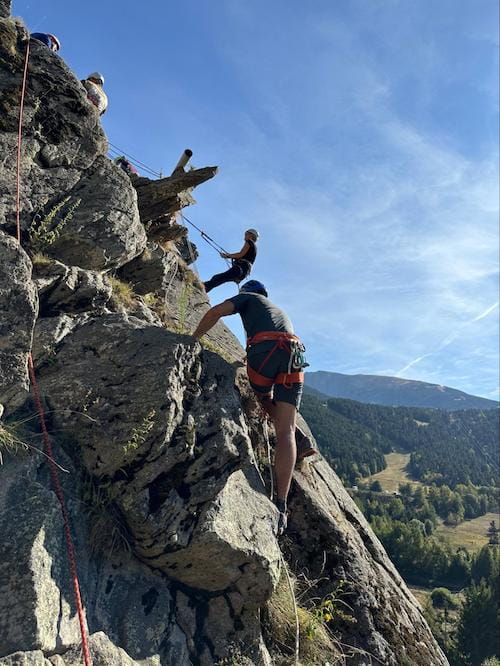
point(41, 415)
point(19, 141)
point(60, 496)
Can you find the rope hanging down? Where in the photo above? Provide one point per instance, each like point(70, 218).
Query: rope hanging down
point(38, 402)
point(60, 496)
point(218, 248)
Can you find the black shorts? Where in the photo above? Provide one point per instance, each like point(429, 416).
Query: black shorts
point(278, 362)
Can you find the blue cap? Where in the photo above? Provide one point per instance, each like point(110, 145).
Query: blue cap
point(255, 287)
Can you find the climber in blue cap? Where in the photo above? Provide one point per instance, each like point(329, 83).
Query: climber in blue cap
point(275, 362)
point(50, 41)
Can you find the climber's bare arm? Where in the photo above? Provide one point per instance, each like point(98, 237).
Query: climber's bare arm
point(236, 255)
point(212, 316)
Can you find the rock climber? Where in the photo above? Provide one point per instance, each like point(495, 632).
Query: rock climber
point(93, 85)
point(49, 40)
point(127, 166)
point(242, 262)
point(275, 362)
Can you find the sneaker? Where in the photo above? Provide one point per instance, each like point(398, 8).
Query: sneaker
point(282, 518)
point(282, 524)
point(304, 446)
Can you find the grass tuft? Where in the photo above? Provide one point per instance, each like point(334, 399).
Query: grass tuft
point(40, 259)
point(10, 442)
point(317, 644)
point(123, 294)
point(108, 531)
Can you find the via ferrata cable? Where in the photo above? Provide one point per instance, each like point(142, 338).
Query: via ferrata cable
point(218, 248)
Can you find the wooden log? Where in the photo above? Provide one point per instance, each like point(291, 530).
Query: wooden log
point(160, 200)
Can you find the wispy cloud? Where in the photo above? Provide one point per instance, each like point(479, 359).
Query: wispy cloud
point(449, 339)
point(375, 191)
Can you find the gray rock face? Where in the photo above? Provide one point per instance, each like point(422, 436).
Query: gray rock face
point(63, 161)
point(185, 302)
point(188, 250)
point(102, 653)
point(105, 230)
point(18, 311)
point(61, 133)
point(33, 569)
point(49, 331)
point(178, 462)
point(5, 8)
point(70, 289)
point(32, 658)
point(150, 272)
point(146, 615)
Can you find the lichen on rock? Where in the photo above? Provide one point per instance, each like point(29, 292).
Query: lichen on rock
point(16, 323)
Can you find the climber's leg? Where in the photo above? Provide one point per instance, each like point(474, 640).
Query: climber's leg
point(231, 275)
point(286, 451)
point(304, 445)
point(283, 415)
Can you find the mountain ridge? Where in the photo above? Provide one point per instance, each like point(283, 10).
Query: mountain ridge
point(394, 391)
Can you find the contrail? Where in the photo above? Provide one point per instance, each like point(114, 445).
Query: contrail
point(414, 362)
point(485, 313)
point(449, 338)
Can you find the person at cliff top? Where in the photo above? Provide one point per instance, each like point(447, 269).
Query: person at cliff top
point(275, 362)
point(127, 166)
point(49, 40)
point(93, 85)
point(242, 262)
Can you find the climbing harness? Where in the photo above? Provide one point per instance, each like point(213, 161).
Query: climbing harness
point(41, 416)
point(245, 267)
point(296, 363)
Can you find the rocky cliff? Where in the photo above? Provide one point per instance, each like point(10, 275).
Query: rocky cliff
point(158, 440)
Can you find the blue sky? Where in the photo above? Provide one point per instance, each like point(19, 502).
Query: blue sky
point(359, 136)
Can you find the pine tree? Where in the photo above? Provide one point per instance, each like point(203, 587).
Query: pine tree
point(478, 623)
point(493, 534)
point(486, 565)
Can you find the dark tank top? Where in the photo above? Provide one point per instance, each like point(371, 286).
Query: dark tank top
point(251, 253)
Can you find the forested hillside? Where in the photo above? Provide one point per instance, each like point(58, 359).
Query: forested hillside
point(446, 447)
point(453, 454)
